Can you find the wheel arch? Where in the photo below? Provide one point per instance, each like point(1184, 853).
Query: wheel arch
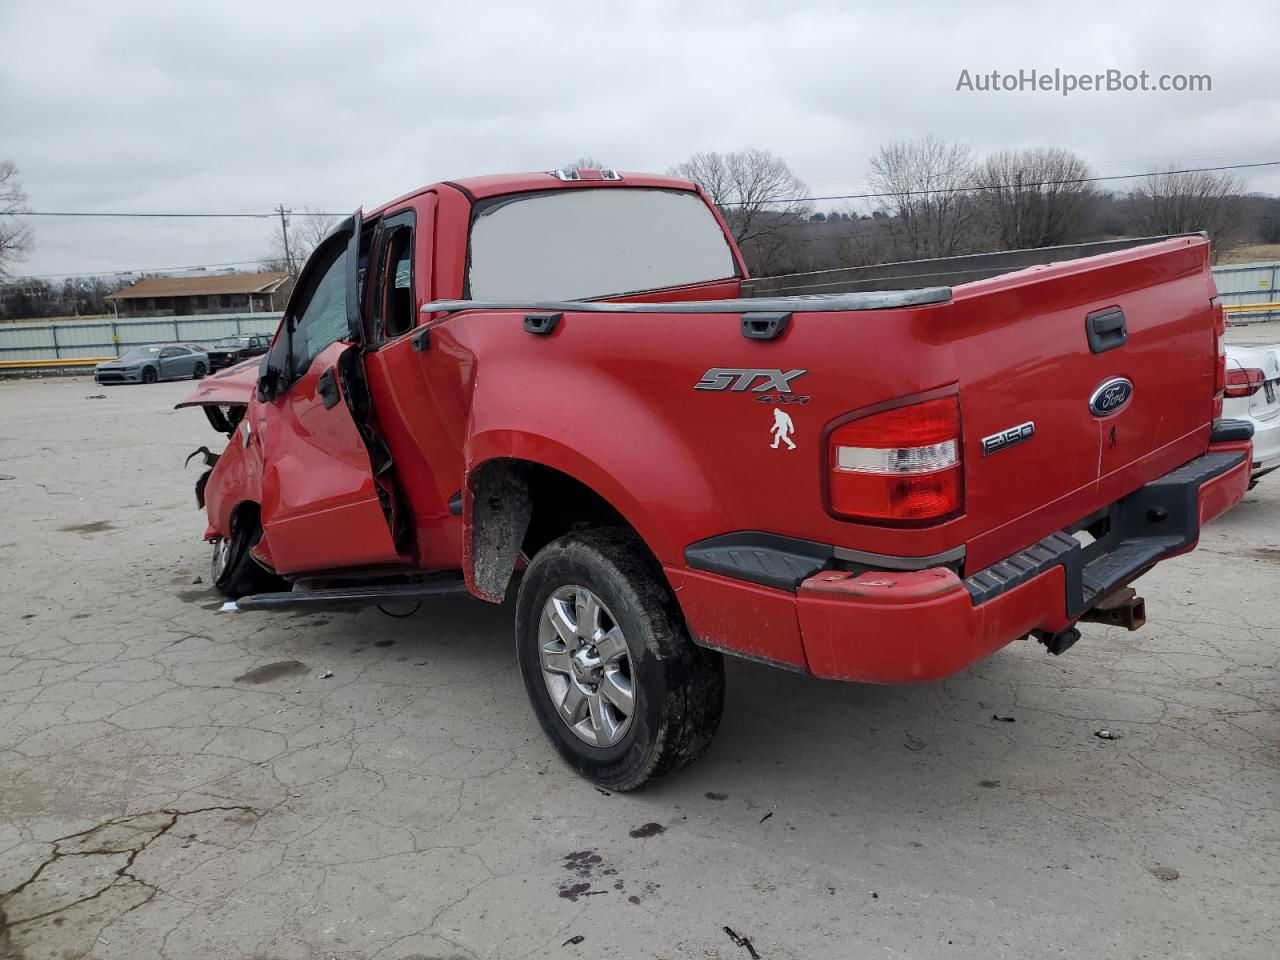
point(514, 506)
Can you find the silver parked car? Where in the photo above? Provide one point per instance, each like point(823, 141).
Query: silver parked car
point(1253, 394)
point(170, 361)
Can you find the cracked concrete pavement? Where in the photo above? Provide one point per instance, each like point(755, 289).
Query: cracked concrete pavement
point(180, 783)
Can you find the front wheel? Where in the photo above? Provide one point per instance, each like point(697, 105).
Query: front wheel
point(233, 571)
point(149, 375)
point(615, 681)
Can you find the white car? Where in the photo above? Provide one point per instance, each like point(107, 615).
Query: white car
point(1253, 394)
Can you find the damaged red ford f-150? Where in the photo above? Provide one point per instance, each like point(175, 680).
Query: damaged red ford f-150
point(568, 382)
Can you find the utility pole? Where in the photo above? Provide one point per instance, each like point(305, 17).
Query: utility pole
point(284, 233)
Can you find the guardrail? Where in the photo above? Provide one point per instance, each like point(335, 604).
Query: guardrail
point(1248, 309)
point(39, 364)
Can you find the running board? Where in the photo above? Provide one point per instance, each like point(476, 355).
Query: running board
point(367, 595)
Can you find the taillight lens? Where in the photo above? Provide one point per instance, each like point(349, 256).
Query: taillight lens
point(1244, 382)
point(901, 464)
point(1220, 370)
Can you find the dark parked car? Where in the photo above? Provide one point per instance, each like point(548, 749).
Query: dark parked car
point(172, 361)
point(231, 350)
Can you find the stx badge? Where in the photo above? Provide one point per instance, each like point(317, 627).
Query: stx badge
point(721, 378)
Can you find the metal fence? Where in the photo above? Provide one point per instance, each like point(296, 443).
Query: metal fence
point(1249, 291)
point(98, 338)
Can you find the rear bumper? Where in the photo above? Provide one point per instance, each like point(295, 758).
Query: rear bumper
point(1266, 444)
point(895, 626)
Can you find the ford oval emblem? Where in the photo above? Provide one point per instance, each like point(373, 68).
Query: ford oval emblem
point(1111, 397)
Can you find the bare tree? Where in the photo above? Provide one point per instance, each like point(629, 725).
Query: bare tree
point(1033, 198)
point(586, 162)
point(928, 212)
point(15, 236)
point(303, 233)
point(758, 195)
point(1183, 202)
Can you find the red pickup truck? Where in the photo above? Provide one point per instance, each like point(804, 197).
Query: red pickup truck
point(567, 381)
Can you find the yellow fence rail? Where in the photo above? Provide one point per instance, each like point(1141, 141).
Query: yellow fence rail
point(37, 364)
point(1251, 308)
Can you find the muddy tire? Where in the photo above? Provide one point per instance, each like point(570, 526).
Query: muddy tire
point(232, 570)
point(614, 678)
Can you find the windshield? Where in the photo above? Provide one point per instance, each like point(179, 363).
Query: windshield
point(231, 343)
point(583, 244)
point(140, 353)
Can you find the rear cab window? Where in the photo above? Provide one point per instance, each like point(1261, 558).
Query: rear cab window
point(593, 243)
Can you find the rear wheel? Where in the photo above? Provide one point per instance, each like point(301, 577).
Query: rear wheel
point(149, 375)
point(198, 371)
point(616, 682)
point(233, 571)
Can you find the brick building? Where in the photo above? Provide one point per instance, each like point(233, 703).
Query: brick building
point(191, 296)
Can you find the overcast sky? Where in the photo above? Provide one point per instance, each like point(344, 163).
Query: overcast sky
point(234, 106)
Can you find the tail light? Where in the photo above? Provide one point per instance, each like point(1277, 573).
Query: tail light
point(899, 465)
point(1220, 370)
point(1244, 381)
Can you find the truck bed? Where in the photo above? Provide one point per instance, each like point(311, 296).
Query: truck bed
point(939, 272)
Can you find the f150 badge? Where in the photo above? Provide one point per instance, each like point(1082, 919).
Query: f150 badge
point(1007, 438)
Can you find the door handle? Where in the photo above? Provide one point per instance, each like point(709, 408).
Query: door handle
point(1106, 330)
point(327, 387)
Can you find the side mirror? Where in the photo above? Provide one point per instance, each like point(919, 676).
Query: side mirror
point(270, 381)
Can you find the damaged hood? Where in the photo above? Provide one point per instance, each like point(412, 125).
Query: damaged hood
point(234, 385)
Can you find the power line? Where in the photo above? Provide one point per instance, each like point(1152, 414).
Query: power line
point(1004, 186)
point(734, 203)
point(223, 216)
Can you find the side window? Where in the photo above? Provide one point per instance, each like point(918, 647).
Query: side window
point(323, 318)
point(169, 352)
point(398, 304)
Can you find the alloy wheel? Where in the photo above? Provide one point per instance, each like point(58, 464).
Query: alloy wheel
point(586, 666)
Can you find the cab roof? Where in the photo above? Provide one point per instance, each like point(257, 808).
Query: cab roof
point(498, 184)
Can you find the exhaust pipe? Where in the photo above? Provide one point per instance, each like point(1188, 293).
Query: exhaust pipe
point(1057, 643)
point(1124, 608)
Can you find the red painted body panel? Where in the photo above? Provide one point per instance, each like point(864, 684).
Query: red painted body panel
point(683, 465)
point(1222, 493)
point(915, 627)
point(236, 478)
point(319, 507)
point(742, 618)
point(881, 641)
point(1020, 346)
point(609, 400)
point(231, 385)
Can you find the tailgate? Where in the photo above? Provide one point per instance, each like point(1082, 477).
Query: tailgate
point(1080, 382)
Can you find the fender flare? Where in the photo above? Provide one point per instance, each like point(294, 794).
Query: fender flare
point(531, 448)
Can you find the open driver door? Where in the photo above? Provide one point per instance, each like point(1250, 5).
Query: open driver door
point(329, 500)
